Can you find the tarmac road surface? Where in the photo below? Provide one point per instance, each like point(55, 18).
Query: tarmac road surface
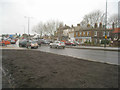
point(93, 55)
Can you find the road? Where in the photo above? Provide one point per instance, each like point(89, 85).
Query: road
point(87, 54)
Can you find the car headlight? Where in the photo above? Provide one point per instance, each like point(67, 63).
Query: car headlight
point(32, 44)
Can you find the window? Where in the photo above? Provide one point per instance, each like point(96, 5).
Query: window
point(108, 33)
point(76, 33)
point(80, 33)
point(83, 33)
point(87, 33)
point(95, 33)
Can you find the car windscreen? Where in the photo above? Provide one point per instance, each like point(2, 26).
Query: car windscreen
point(62, 42)
point(33, 42)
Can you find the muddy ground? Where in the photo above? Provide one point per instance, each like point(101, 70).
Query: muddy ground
point(36, 69)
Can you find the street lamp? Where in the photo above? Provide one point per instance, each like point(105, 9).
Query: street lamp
point(28, 22)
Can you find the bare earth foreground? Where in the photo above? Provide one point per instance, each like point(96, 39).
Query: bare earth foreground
point(36, 69)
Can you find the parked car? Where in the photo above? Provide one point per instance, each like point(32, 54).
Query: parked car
point(46, 42)
point(57, 44)
point(32, 44)
point(70, 43)
point(23, 43)
point(39, 41)
point(12, 41)
point(4, 42)
point(42, 41)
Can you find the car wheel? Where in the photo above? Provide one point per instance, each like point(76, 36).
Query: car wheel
point(57, 47)
point(36, 47)
point(3, 44)
point(50, 46)
point(40, 45)
point(63, 47)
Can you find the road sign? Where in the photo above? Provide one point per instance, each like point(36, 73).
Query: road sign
point(105, 37)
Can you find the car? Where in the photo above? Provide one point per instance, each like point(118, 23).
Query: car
point(57, 44)
point(39, 41)
point(46, 42)
point(32, 44)
point(4, 42)
point(12, 41)
point(22, 43)
point(70, 43)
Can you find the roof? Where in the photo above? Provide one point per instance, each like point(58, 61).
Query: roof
point(116, 30)
point(64, 27)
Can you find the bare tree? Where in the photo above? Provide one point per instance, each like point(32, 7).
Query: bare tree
point(113, 19)
point(47, 28)
point(52, 26)
point(39, 29)
point(93, 17)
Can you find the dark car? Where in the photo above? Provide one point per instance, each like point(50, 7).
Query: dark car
point(23, 43)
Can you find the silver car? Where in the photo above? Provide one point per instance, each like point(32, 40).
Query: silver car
point(57, 44)
point(32, 44)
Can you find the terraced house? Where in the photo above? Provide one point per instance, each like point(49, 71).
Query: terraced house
point(65, 33)
point(92, 34)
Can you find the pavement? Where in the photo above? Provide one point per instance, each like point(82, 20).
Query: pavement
point(95, 48)
point(11, 47)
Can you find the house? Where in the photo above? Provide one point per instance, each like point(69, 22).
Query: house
point(71, 34)
point(82, 34)
point(63, 32)
point(116, 34)
point(116, 37)
point(92, 34)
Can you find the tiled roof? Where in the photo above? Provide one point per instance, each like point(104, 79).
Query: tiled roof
point(116, 30)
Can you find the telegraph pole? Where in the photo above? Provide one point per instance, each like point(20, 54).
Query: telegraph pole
point(105, 26)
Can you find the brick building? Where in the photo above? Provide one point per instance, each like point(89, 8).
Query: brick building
point(92, 34)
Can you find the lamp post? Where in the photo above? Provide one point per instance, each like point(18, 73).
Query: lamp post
point(105, 26)
point(28, 22)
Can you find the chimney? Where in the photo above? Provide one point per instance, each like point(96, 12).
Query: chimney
point(72, 26)
point(113, 25)
point(100, 25)
point(95, 25)
point(88, 25)
point(78, 25)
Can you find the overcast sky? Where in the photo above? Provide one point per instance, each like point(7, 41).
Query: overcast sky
point(12, 12)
